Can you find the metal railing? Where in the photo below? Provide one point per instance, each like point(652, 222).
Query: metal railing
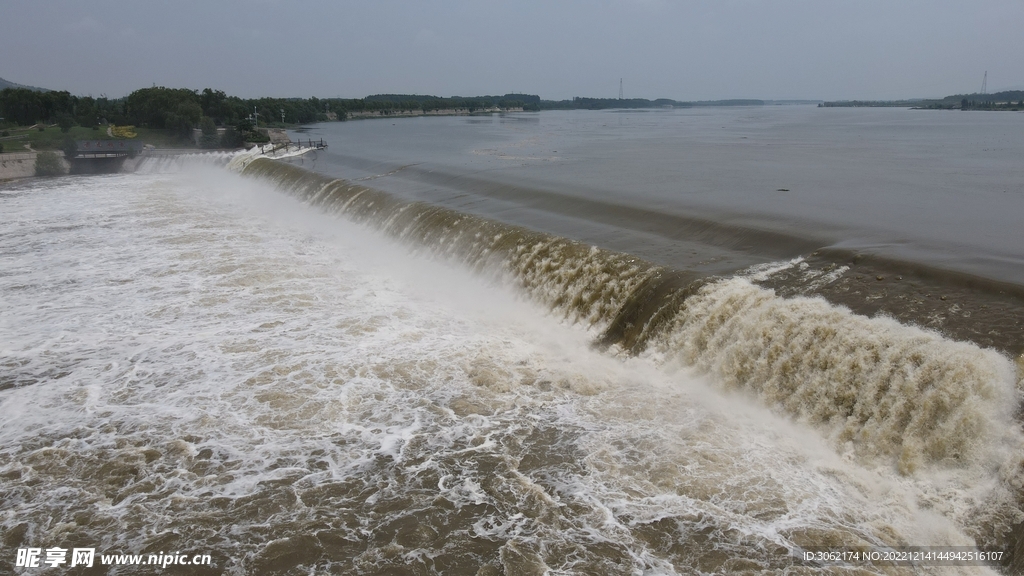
point(311, 144)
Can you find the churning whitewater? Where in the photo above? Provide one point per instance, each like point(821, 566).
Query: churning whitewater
point(333, 380)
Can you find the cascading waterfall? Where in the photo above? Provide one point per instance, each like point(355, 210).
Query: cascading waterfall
point(884, 392)
point(172, 163)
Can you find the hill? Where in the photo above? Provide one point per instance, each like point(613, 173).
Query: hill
point(9, 84)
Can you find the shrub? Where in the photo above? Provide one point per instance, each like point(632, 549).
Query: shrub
point(48, 164)
point(5, 133)
point(1, 147)
point(70, 148)
point(256, 136)
point(208, 126)
point(231, 138)
point(123, 131)
point(65, 122)
point(209, 129)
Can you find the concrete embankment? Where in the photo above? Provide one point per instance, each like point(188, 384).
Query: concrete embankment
point(16, 165)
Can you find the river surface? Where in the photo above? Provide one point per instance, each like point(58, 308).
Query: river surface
point(409, 354)
point(942, 187)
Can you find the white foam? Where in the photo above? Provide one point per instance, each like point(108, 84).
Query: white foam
point(195, 340)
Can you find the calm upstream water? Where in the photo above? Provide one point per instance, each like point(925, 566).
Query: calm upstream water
point(592, 343)
point(930, 202)
point(947, 188)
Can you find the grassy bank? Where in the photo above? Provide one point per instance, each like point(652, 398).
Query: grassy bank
point(51, 137)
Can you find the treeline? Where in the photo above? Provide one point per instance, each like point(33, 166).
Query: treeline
point(408, 102)
point(177, 110)
point(871, 104)
point(228, 120)
point(156, 107)
point(992, 105)
point(582, 103)
point(25, 107)
point(1005, 100)
point(181, 110)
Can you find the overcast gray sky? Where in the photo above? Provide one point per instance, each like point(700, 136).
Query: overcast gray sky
point(681, 49)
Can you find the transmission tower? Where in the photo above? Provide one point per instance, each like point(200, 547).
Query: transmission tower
point(984, 83)
point(620, 88)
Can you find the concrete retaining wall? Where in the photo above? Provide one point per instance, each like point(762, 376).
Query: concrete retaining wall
point(17, 165)
point(23, 165)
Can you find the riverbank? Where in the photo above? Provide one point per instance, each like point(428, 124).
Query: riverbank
point(358, 114)
point(1007, 100)
point(18, 165)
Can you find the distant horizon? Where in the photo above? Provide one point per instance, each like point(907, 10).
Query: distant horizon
point(409, 93)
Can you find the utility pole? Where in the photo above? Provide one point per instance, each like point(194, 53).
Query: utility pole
point(282, 115)
point(984, 83)
point(255, 118)
point(620, 88)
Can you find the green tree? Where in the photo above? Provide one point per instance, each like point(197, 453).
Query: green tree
point(231, 138)
point(184, 117)
point(48, 164)
point(215, 105)
point(208, 126)
point(161, 107)
point(65, 121)
point(21, 106)
point(70, 148)
point(26, 107)
point(209, 129)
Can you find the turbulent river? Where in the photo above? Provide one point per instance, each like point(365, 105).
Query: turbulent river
point(300, 374)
